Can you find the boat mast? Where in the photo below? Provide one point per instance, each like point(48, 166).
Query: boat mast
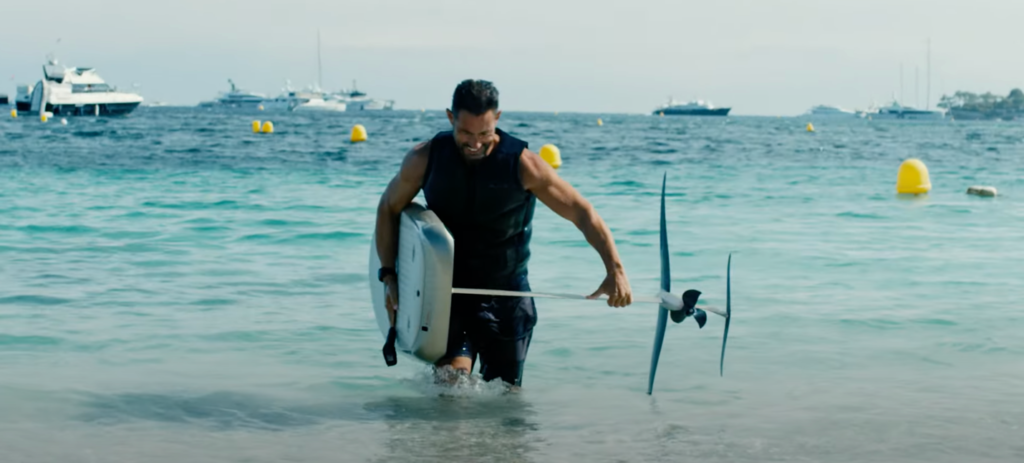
point(319, 68)
point(917, 88)
point(928, 97)
point(901, 84)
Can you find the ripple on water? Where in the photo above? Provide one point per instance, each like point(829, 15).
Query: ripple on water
point(32, 299)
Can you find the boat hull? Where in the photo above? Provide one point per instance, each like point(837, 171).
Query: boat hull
point(100, 109)
point(693, 112)
point(910, 115)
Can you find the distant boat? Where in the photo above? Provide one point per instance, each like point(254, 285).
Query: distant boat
point(311, 99)
point(692, 108)
point(897, 111)
point(23, 98)
point(77, 91)
point(356, 100)
point(236, 98)
point(830, 111)
point(4, 100)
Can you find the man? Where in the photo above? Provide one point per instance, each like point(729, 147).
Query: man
point(483, 184)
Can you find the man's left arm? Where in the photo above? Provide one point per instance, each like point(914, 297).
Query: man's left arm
point(557, 194)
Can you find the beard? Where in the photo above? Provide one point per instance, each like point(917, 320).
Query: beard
point(474, 157)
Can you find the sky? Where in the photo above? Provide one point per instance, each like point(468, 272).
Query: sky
point(760, 57)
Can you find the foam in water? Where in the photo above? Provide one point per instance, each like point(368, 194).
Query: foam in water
point(449, 382)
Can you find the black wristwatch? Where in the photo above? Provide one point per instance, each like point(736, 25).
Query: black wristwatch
point(385, 271)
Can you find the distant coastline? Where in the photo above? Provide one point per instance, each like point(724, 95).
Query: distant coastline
point(972, 106)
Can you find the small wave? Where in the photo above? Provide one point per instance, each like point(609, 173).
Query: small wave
point(256, 237)
point(200, 220)
point(90, 133)
point(223, 204)
point(220, 410)
point(8, 340)
point(284, 223)
point(973, 347)
point(29, 299)
point(29, 249)
point(859, 215)
point(147, 215)
point(158, 263)
point(128, 247)
point(625, 183)
point(64, 229)
point(208, 302)
point(184, 151)
point(878, 324)
point(449, 382)
point(130, 235)
point(935, 322)
point(332, 236)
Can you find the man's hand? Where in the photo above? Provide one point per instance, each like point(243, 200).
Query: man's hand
point(391, 297)
point(616, 287)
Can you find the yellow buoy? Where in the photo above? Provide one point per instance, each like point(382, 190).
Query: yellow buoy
point(268, 127)
point(260, 107)
point(255, 126)
point(810, 127)
point(358, 133)
point(14, 114)
point(43, 117)
point(913, 178)
point(600, 123)
point(661, 113)
point(551, 155)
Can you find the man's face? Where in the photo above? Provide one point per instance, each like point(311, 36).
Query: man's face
point(474, 135)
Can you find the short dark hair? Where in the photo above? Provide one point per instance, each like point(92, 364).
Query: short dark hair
point(475, 96)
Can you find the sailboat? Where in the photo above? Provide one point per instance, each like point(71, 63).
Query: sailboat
point(359, 101)
point(315, 99)
point(897, 110)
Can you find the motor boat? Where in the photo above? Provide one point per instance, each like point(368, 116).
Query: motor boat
point(822, 111)
point(235, 99)
point(310, 99)
point(77, 91)
point(692, 108)
point(356, 100)
point(895, 110)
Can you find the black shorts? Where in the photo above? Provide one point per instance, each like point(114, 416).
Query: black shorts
point(498, 329)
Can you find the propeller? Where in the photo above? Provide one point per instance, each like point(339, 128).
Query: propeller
point(689, 302)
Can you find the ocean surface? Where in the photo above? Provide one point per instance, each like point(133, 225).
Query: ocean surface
point(175, 288)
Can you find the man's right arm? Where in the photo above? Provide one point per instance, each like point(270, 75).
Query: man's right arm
point(399, 193)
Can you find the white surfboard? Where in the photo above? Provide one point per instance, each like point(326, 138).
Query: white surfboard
point(426, 256)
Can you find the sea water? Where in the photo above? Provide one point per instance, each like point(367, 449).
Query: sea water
point(176, 288)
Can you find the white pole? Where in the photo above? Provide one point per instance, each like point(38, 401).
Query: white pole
point(667, 300)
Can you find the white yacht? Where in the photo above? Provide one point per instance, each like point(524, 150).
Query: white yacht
point(77, 91)
point(236, 98)
point(830, 111)
point(895, 110)
point(311, 99)
point(356, 100)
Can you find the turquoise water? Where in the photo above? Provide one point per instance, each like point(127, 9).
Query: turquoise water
point(174, 288)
